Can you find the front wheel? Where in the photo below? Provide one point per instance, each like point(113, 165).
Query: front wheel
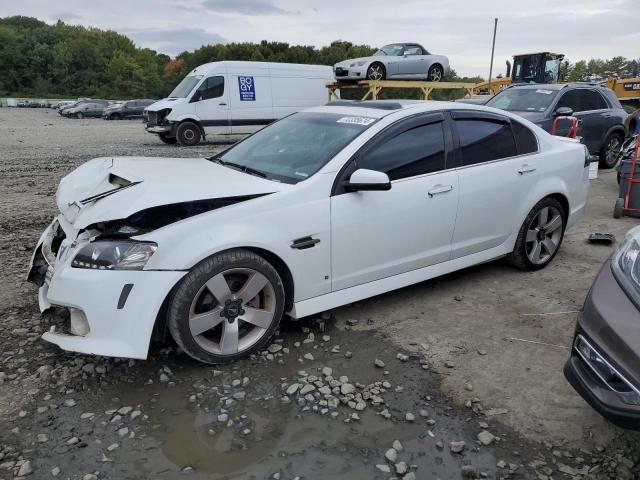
point(610, 150)
point(227, 307)
point(167, 139)
point(540, 236)
point(188, 134)
point(115, 116)
point(376, 71)
point(79, 115)
point(435, 73)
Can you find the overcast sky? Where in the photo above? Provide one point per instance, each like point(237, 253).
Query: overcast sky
point(461, 29)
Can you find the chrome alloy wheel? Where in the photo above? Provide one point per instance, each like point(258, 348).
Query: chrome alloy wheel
point(232, 311)
point(435, 75)
point(375, 72)
point(544, 235)
point(612, 150)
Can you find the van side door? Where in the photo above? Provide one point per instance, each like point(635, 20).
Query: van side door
point(251, 101)
point(212, 104)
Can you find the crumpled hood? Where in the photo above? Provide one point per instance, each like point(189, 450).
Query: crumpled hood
point(154, 182)
point(347, 63)
point(164, 103)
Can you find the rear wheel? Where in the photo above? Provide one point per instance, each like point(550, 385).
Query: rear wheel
point(79, 115)
point(188, 134)
point(610, 150)
point(227, 307)
point(115, 116)
point(376, 71)
point(435, 74)
point(540, 236)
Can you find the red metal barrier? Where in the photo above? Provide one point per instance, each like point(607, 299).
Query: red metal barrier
point(573, 130)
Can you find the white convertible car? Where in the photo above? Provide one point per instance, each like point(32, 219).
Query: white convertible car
point(322, 208)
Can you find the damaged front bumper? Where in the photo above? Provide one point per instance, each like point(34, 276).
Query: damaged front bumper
point(111, 312)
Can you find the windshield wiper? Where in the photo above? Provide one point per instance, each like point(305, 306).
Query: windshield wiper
point(244, 168)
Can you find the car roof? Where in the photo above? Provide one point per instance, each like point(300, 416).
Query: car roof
point(556, 86)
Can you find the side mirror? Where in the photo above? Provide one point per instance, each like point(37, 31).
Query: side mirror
point(368, 180)
point(563, 112)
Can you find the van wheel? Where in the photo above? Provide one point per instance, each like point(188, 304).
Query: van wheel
point(540, 236)
point(227, 307)
point(167, 139)
point(188, 134)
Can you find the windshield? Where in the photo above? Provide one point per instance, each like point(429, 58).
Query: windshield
point(185, 86)
point(523, 99)
point(296, 147)
point(393, 50)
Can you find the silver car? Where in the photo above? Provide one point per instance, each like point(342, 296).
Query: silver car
point(397, 61)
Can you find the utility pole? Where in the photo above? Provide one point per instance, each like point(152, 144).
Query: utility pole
point(493, 47)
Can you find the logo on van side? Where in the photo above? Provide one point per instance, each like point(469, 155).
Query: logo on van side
point(247, 89)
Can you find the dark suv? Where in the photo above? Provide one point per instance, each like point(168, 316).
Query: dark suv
point(599, 112)
point(128, 109)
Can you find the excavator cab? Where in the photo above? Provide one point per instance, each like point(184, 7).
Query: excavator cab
point(542, 67)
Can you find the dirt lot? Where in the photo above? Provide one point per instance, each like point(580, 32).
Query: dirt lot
point(82, 417)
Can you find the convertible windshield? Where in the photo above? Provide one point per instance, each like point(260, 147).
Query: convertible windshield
point(185, 86)
point(523, 99)
point(393, 50)
point(296, 147)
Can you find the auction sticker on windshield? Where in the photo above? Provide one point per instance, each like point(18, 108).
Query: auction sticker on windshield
point(356, 120)
point(546, 92)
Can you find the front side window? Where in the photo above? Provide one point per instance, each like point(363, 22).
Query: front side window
point(523, 99)
point(413, 50)
point(572, 100)
point(296, 147)
point(184, 88)
point(484, 140)
point(212, 87)
point(416, 151)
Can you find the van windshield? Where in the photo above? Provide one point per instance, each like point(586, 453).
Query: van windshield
point(185, 86)
point(296, 147)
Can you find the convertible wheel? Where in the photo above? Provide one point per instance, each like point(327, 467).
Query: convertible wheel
point(610, 150)
point(227, 307)
point(435, 73)
point(376, 71)
point(540, 236)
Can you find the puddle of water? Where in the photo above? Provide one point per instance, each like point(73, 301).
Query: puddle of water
point(269, 436)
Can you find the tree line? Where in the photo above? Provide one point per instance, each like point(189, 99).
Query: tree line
point(61, 60)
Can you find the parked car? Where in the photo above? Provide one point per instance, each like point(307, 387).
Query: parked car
point(77, 103)
point(599, 112)
point(62, 104)
point(88, 109)
point(604, 367)
point(397, 61)
point(128, 109)
point(235, 97)
point(322, 208)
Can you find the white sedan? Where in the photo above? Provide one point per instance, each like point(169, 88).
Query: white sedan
point(322, 208)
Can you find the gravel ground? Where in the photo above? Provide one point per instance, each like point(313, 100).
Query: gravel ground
point(427, 382)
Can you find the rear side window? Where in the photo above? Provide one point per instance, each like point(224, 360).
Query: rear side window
point(582, 100)
point(526, 141)
point(484, 140)
point(416, 151)
point(593, 101)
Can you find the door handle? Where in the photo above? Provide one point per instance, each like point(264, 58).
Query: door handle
point(526, 169)
point(222, 104)
point(438, 189)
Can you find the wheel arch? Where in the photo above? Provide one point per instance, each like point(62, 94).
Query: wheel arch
point(563, 200)
point(191, 120)
point(160, 332)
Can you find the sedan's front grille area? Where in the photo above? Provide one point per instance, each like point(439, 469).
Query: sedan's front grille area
point(341, 72)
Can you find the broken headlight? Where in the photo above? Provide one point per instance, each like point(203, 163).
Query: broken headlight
point(626, 265)
point(114, 255)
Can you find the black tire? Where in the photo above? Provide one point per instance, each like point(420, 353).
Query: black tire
point(115, 116)
point(435, 73)
point(518, 257)
point(188, 134)
point(376, 71)
point(610, 149)
point(166, 139)
point(182, 297)
point(618, 208)
point(79, 115)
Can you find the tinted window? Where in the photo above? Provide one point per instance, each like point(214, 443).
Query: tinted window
point(592, 101)
point(570, 99)
point(416, 151)
point(526, 141)
point(212, 87)
point(483, 140)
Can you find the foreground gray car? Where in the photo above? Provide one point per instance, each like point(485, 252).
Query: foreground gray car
point(599, 112)
point(397, 61)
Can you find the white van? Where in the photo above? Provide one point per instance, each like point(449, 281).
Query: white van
point(235, 97)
